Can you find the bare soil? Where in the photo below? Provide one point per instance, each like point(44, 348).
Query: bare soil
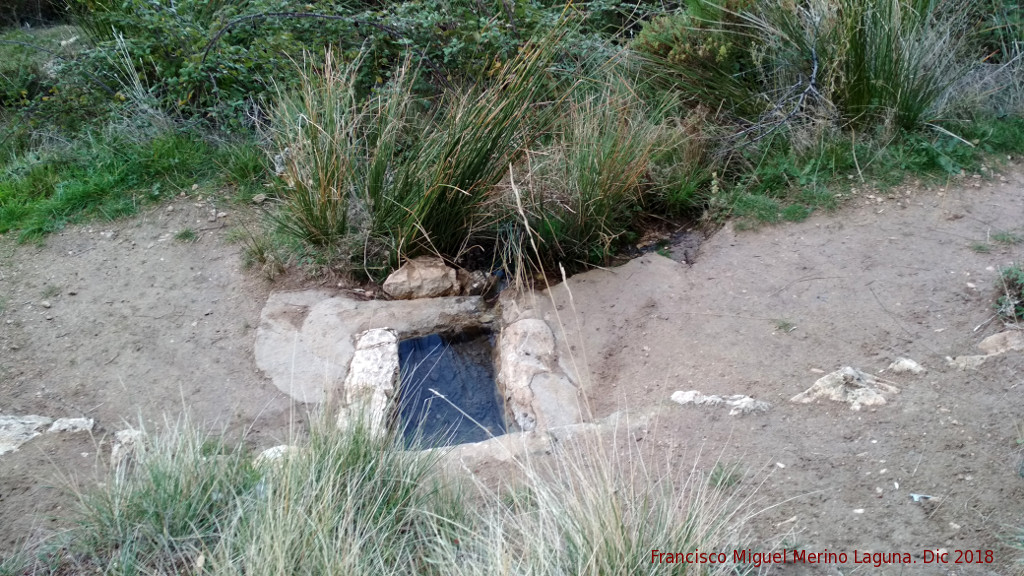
point(142, 326)
point(767, 313)
point(141, 329)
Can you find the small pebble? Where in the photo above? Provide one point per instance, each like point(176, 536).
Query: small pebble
point(45, 303)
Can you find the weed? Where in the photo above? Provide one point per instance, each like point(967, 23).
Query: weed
point(186, 235)
point(981, 247)
point(51, 291)
point(1007, 238)
point(1011, 284)
point(261, 250)
point(725, 476)
point(243, 165)
point(784, 326)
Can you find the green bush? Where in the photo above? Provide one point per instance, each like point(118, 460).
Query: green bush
point(770, 62)
point(220, 60)
point(1011, 284)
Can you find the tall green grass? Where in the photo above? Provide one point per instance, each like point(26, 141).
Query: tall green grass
point(354, 503)
point(108, 177)
point(586, 188)
point(402, 176)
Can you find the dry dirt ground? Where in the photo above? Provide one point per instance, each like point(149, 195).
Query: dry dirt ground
point(143, 326)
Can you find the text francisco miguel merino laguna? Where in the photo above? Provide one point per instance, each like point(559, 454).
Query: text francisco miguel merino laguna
point(780, 557)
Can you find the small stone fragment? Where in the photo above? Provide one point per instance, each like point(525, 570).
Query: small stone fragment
point(16, 430)
point(1008, 341)
point(739, 404)
point(904, 365)
point(72, 425)
point(45, 303)
point(966, 362)
point(259, 199)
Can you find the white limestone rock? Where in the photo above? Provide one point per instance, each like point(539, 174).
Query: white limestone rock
point(848, 385)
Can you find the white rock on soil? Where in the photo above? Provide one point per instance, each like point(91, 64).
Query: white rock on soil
point(371, 382)
point(423, 277)
point(994, 345)
point(127, 443)
point(848, 385)
point(72, 425)
point(16, 430)
point(738, 404)
point(275, 454)
point(1008, 341)
point(906, 365)
point(966, 362)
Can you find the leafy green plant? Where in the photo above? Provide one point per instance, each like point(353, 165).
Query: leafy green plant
point(1011, 284)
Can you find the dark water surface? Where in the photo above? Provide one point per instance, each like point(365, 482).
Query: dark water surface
point(459, 368)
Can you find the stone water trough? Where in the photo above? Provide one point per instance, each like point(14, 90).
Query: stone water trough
point(436, 364)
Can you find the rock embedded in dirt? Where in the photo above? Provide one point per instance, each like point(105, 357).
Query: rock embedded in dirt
point(967, 362)
point(848, 385)
point(906, 365)
point(16, 430)
point(739, 404)
point(1008, 341)
point(371, 381)
point(72, 425)
point(423, 277)
point(537, 391)
point(275, 454)
point(994, 345)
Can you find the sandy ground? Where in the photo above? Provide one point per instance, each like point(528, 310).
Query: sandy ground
point(766, 313)
point(141, 326)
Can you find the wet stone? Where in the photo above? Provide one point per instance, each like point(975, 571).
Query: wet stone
point(447, 394)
